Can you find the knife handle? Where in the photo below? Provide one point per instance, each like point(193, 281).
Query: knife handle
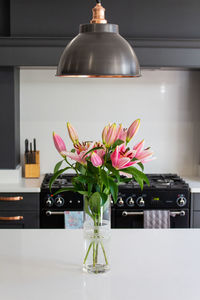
point(26, 145)
point(34, 145)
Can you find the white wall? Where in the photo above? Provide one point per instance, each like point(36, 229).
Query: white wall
point(168, 103)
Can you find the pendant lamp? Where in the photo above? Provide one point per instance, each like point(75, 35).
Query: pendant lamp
point(98, 51)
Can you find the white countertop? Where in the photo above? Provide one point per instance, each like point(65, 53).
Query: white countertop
point(146, 265)
point(194, 183)
point(24, 185)
point(33, 185)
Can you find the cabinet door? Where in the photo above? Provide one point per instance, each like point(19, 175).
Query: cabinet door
point(19, 219)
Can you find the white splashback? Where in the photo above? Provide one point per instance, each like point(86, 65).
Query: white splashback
point(167, 101)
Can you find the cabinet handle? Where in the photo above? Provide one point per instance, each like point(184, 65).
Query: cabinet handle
point(16, 218)
point(18, 198)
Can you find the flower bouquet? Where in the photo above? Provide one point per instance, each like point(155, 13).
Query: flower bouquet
point(99, 168)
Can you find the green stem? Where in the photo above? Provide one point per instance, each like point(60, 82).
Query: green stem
point(104, 253)
point(71, 166)
point(94, 254)
point(97, 248)
point(86, 256)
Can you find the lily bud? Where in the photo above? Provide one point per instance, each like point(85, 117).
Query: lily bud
point(72, 133)
point(132, 130)
point(96, 160)
point(104, 134)
point(59, 144)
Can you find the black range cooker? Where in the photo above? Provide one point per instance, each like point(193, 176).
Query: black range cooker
point(166, 192)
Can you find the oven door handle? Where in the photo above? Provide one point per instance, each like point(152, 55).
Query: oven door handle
point(50, 213)
point(140, 213)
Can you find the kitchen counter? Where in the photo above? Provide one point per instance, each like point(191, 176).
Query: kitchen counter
point(24, 185)
point(33, 185)
point(146, 264)
point(194, 183)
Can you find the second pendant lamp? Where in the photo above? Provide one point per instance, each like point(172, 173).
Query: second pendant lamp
point(98, 51)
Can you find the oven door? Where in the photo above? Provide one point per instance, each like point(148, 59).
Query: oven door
point(51, 220)
point(55, 219)
point(134, 218)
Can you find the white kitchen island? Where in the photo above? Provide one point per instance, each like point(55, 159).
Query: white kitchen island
point(146, 265)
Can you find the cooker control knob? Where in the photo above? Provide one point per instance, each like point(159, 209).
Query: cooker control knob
point(140, 202)
point(130, 202)
point(49, 202)
point(120, 202)
point(181, 201)
point(59, 201)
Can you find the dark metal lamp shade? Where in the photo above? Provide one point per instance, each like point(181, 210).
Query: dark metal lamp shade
point(98, 51)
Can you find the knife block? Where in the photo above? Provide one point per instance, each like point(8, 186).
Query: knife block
point(33, 170)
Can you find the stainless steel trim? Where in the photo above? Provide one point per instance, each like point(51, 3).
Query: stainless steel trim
point(50, 213)
point(139, 213)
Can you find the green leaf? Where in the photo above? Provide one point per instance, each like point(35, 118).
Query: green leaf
point(73, 150)
point(64, 190)
point(107, 191)
point(126, 179)
point(90, 186)
point(91, 150)
point(85, 179)
point(95, 203)
point(104, 198)
point(141, 166)
point(104, 177)
point(81, 168)
point(135, 172)
point(113, 170)
point(117, 143)
point(55, 176)
point(83, 192)
point(57, 166)
point(140, 181)
point(91, 170)
point(113, 189)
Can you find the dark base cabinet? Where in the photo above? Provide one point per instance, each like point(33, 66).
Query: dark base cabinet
point(19, 210)
point(195, 217)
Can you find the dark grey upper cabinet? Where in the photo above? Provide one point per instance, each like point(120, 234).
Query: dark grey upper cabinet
point(9, 118)
point(137, 18)
point(4, 18)
point(163, 33)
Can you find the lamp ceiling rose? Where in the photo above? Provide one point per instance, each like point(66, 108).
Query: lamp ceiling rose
point(98, 14)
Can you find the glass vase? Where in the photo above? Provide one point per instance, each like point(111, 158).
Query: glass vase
point(97, 232)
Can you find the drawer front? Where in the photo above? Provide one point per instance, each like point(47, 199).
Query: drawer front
point(196, 219)
point(19, 219)
point(22, 201)
point(196, 201)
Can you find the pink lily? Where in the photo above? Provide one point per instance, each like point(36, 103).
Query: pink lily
point(121, 157)
point(121, 133)
point(139, 147)
point(132, 130)
point(109, 135)
point(59, 144)
point(80, 153)
point(77, 157)
point(143, 155)
point(100, 152)
point(72, 133)
point(96, 160)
